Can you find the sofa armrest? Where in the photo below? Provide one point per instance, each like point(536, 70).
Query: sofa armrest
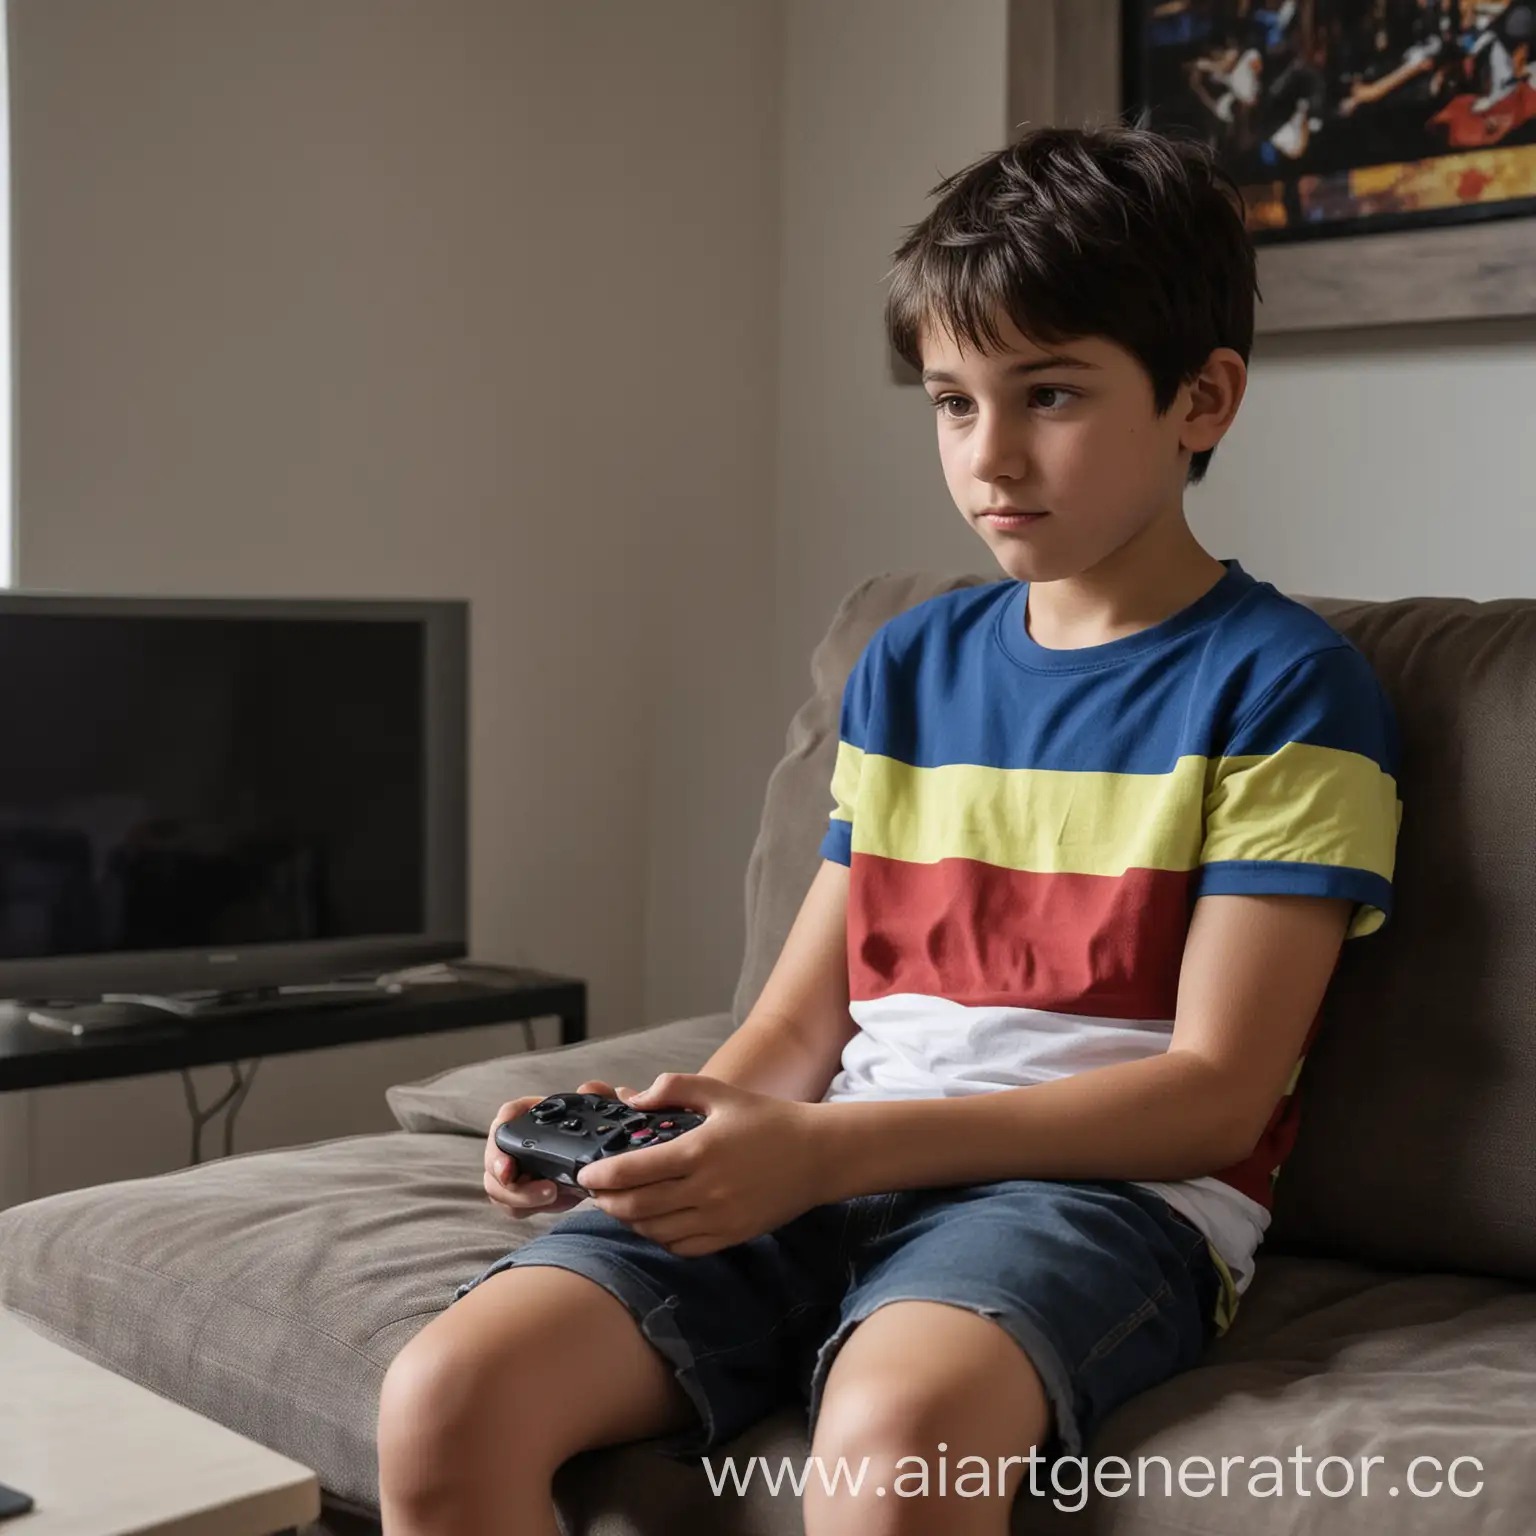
point(466, 1098)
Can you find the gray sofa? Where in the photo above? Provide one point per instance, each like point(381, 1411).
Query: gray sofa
point(1393, 1313)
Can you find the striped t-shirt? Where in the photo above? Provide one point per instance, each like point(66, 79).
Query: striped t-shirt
point(1027, 831)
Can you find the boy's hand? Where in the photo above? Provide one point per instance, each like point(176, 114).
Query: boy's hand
point(518, 1192)
point(748, 1169)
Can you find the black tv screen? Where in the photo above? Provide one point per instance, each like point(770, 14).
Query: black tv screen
point(219, 783)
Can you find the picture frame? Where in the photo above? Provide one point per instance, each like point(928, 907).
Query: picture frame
point(1344, 117)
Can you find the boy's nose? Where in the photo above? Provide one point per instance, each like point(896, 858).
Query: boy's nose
point(997, 454)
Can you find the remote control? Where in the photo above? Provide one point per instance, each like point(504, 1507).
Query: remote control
point(561, 1135)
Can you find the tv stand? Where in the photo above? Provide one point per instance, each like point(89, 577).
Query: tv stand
point(249, 1026)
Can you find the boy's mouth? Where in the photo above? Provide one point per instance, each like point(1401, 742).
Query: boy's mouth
point(1006, 517)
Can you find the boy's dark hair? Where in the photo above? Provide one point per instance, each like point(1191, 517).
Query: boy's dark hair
point(1114, 232)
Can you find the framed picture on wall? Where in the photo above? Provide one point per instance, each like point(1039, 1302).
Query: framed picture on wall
point(1348, 116)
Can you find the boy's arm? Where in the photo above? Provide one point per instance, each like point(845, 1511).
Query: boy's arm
point(1254, 972)
point(791, 1044)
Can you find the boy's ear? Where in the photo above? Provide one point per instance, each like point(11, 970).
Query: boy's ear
point(1214, 396)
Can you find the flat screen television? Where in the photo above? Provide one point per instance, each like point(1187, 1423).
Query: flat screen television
point(228, 794)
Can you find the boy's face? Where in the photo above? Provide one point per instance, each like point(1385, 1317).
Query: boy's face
point(1070, 430)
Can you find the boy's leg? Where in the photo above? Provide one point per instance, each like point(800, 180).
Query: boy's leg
point(478, 1409)
point(1098, 1286)
point(913, 1376)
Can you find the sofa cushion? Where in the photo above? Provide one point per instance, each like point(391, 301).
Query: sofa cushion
point(1340, 1360)
point(270, 1291)
point(465, 1098)
point(267, 1290)
point(1416, 1145)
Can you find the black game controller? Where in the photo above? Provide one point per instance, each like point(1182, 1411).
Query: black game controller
point(561, 1135)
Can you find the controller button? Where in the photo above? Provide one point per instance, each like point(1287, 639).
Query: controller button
point(666, 1136)
point(637, 1136)
point(573, 1124)
point(666, 1125)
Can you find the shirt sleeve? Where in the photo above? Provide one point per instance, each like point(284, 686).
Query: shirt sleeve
point(852, 736)
point(1304, 799)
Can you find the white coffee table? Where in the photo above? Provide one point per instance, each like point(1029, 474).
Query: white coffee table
point(102, 1456)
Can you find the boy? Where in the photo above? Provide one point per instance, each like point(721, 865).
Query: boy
point(993, 1151)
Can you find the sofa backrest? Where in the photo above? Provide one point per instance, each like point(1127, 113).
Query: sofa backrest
point(1418, 1137)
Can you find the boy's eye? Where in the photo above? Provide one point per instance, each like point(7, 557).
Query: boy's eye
point(1057, 397)
point(1045, 397)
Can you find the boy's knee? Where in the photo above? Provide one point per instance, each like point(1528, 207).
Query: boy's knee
point(442, 1414)
point(421, 1406)
point(863, 1414)
point(962, 1384)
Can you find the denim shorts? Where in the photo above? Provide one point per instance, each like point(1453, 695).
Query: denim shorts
point(1102, 1285)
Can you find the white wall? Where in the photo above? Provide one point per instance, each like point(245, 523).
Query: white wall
point(439, 298)
point(1391, 462)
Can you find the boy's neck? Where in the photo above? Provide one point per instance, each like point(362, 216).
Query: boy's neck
point(1151, 577)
